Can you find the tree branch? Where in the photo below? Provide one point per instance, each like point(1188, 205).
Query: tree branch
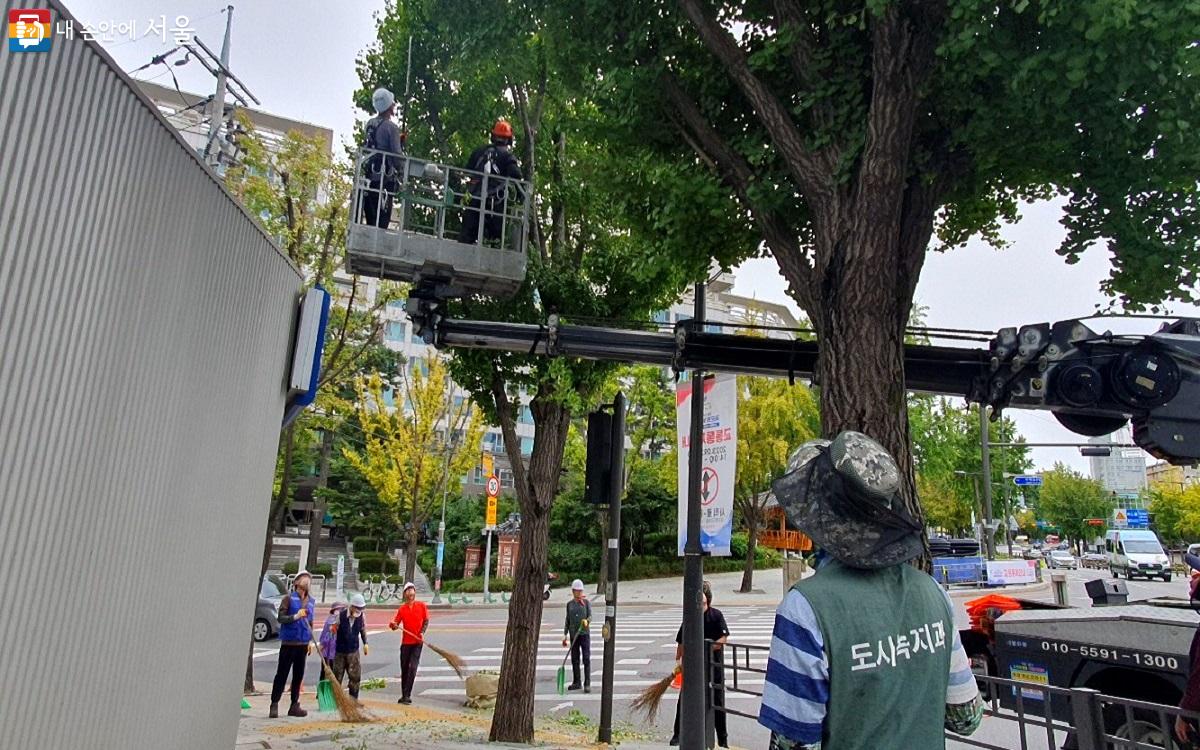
point(812, 178)
point(737, 173)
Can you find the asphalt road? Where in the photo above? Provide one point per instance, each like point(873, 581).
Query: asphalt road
point(645, 652)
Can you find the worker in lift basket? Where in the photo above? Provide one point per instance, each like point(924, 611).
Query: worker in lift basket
point(496, 161)
point(381, 170)
point(865, 655)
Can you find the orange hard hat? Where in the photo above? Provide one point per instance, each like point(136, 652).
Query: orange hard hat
point(502, 129)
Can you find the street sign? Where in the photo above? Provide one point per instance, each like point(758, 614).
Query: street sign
point(1120, 519)
point(1027, 480)
point(1137, 518)
point(493, 492)
point(341, 571)
point(490, 521)
point(1094, 521)
point(489, 465)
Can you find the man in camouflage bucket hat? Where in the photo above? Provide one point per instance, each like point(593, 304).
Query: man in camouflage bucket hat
point(865, 650)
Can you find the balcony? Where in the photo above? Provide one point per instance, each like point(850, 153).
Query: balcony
point(422, 240)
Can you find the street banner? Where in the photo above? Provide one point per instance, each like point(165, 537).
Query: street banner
point(341, 572)
point(719, 460)
point(1008, 572)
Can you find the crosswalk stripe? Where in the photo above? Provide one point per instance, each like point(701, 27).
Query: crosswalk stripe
point(634, 661)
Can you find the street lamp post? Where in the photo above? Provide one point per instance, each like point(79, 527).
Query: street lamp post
point(441, 545)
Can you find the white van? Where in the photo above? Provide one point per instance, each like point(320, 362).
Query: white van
point(1138, 553)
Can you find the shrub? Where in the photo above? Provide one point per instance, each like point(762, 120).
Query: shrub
point(475, 585)
point(321, 569)
point(571, 560)
point(367, 544)
point(376, 562)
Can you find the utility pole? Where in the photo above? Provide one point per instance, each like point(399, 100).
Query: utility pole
point(616, 488)
point(691, 709)
point(449, 445)
point(986, 451)
point(216, 112)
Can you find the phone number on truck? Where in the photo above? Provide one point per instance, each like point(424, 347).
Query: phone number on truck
point(1107, 653)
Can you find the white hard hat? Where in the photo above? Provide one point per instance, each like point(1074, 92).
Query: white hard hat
point(409, 585)
point(382, 99)
point(302, 573)
point(358, 602)
point(577, 585)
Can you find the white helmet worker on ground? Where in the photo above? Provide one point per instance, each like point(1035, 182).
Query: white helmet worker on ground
point(577, 636)
point(852, 640)
point(412, 619)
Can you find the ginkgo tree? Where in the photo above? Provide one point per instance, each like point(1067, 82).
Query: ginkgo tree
point(411, 450)
point(774, 418)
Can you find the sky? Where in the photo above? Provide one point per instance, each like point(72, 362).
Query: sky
point(298, 58)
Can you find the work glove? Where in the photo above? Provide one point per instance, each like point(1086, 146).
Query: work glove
point(566, 643)
point(310, 649)
point(393, 625)
point(583, 624)
point(366, 649)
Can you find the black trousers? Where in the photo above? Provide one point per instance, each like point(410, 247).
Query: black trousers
point(718, 703)
point(291, 659)
point(582, 648)
point(492, 222)
point(377, 207)
point(410, 657)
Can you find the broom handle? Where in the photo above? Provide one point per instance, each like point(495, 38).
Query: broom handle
point(568, 654)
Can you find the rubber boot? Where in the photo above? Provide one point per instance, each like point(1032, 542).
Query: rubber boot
point(274, 714)
point(295, 710)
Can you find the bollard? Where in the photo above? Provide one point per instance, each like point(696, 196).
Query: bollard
point(1058, 584)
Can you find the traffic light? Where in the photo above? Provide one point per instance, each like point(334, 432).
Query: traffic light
point(1095, 450)
point(599, 458)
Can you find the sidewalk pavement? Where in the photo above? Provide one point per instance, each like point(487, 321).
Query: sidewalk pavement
point(394, 726)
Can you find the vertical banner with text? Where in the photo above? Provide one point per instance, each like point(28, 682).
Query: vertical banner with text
point(719, 460)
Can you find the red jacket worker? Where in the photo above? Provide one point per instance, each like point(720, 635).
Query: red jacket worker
point(413, 617)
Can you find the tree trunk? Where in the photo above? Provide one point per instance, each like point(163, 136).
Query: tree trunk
point(602, 579)
point(318, 513)
point(412, 545)
point(751, 546)
point(512, 720)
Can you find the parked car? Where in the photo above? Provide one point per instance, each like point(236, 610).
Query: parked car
point(1095, 560)
point(266, 620)
point(1032, 553)
point(1060, 558)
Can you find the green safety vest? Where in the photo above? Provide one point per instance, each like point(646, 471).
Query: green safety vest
point(888, 635)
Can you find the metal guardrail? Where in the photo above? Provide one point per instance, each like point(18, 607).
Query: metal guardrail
point(1098, 721)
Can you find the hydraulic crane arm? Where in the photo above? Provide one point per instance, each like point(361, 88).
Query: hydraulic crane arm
point(1092, 383)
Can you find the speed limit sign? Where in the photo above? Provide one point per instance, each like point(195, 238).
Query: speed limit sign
point(493, 487)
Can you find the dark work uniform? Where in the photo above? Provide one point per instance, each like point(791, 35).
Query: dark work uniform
point(714, 629)
point(497, 161)
point(382, 135)
point(580, 639)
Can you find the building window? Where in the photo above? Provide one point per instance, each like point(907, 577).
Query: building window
point(713, 328)
point(662, 316)
point(389, 397)
point(393, 331)
point(477, 475)
point(506, 478)
point(526, 415)
point(526, 446)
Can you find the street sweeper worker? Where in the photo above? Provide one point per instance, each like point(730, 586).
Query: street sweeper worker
point(295, 643)
point(496, 160)
point(838, 677)
point(350, 629)
point(413, 618)
point(716, 631)
point(577, 635)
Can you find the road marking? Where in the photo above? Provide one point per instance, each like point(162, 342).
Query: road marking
point(561, 706)
point(634, 661)
point(550, 649)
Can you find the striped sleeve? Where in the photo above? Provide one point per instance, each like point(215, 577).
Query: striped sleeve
point(961, 688)
point(796, 692)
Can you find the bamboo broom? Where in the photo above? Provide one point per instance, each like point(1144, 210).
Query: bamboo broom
point(347, 707)
point(649, 699)
point(456, 662)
